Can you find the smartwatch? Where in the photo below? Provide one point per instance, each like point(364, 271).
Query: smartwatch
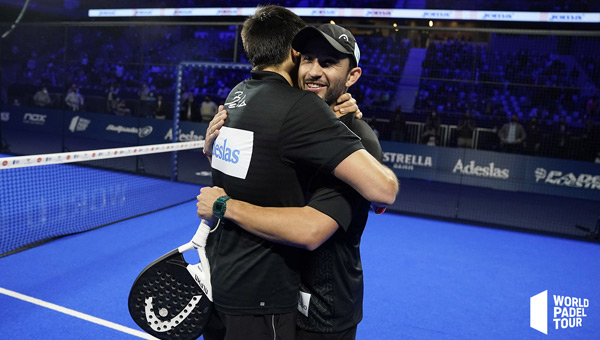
point(220, 206)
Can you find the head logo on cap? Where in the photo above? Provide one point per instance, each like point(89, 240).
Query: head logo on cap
point(344, 43)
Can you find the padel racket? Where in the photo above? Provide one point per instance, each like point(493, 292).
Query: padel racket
point(172, 299)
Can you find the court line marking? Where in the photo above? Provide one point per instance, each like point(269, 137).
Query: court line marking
point(76, 314)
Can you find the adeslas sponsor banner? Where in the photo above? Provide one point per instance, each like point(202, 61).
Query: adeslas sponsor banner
point(496, 170)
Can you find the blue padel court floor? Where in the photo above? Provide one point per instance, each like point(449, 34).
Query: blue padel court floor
point(424, 279)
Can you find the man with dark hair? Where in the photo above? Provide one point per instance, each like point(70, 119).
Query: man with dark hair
point(334, 219)
point(276, 138)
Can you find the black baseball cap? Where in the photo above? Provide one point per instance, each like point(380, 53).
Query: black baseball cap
point(338, 37)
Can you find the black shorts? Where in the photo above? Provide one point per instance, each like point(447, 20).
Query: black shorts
point(255, 327)
point(349, 334)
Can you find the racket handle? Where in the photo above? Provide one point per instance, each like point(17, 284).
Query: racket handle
point(201, 235)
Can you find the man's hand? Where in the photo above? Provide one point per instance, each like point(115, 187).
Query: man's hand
point(213, 130)
point(346, 104)
point(206, 199)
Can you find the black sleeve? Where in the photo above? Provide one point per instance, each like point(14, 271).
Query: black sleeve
point(334, 197)
point(311, 134)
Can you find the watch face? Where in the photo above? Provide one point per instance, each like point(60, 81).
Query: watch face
point(219, 206)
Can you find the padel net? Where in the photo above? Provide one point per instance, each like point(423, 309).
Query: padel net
point(51, 195)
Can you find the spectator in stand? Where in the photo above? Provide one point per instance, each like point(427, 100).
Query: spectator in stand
point(147, 106)
point(465, 131)
point(208, 109)
point(533, 144)
point(42, 98)
point(74, 99)
point(398, 125)
point(121, 109)
point(147, 100)
point(593, 107)
point(431, 130)
point(561, 139)
point(160, 110)
point(111, 97)
point(144, 92)
point(512, 136)
point(588, 141)
point(189, 109)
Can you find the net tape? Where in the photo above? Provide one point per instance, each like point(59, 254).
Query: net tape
point(89, 155)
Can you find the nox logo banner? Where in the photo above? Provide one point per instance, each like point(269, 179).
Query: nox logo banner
point(566, 312)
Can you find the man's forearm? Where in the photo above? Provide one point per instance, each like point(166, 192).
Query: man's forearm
point(302, 227)
point(373, 180)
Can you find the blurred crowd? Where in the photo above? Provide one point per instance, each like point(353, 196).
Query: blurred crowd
point(133, 70)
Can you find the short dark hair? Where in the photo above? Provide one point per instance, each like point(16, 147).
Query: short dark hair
point(267, 35)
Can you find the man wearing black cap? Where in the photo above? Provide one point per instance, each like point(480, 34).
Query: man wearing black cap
point(331, 224)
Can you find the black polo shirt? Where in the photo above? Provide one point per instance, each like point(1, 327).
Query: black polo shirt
point(332, 274)
point(275, 139)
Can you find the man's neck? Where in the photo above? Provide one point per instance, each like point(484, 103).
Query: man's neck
point(279, 69)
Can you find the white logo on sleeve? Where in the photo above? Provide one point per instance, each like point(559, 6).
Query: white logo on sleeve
point(232, 152)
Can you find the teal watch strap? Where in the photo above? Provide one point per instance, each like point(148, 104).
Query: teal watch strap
point(220, 206)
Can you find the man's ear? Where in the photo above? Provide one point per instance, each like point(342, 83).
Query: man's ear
point(353, 76)
point(295, 56)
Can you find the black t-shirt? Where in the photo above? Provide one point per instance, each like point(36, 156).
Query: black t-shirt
point(275, 139)
point(332, 274)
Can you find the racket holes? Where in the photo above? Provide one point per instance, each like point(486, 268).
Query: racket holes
point(163, 311)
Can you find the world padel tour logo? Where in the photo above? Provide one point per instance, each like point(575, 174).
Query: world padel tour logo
point(567, 312)
point(560, 178)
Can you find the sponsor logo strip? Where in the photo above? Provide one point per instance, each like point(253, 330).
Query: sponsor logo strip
point(69, 157)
